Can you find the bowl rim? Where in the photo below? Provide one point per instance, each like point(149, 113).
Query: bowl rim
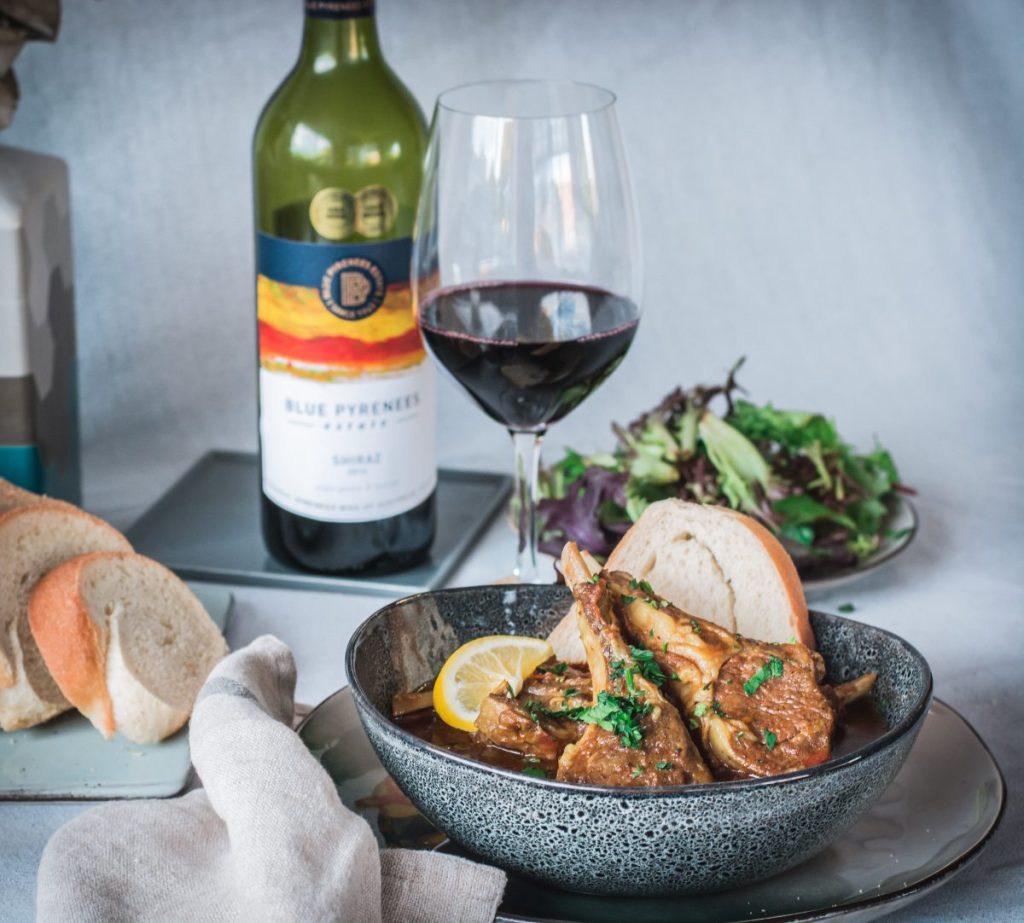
point(913, 717)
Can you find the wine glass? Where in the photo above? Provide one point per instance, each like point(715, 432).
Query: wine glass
point(526, 258)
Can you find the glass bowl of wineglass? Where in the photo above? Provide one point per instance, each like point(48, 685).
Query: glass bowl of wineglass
point(526, 258)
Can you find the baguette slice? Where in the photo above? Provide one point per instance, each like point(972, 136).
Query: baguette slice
point(565, 639)
point(717, 564)
point(11, 496)
point(36, 535)
point(127, 642)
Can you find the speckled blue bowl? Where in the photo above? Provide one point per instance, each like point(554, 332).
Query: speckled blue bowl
point(625, 841)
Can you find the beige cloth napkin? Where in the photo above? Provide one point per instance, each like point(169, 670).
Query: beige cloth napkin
point(266, 839)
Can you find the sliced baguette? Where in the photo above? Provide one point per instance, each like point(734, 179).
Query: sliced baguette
point(717, 564)
point(36, 535)
point(565, 639)
point(127, 642)
point(11, 496)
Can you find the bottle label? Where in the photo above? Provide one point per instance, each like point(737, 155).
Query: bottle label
point(339, 9)
point(347, 418)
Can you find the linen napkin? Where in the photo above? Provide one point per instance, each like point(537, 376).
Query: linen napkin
point(266, 839)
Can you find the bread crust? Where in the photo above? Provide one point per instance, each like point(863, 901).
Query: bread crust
point(14, 503)
point(788, 577)
point(73, 646)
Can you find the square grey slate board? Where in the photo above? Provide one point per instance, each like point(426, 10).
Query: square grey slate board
point(207, 527)
point(67, 758)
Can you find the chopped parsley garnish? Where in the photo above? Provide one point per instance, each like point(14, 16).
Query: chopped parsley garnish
point(646, 587)
point(620, 671)
point(717, 709)
point(534, 772)
point(638, 771)
point(768, 671)
point(664, 648)
point(707, 685)
point(846, 608)
point(694, 724)
point(674, 675)
point(695, 626)
point(770, 740)
point(558, 668)
point(628, 599)
point(740, 735)
point(650, 634)
point(657, 603)
point(664, 764)
point(595, 577)
point(617, 714)
point(509, 694)
point(646, 666)
point(700, 709)
point(568, 691)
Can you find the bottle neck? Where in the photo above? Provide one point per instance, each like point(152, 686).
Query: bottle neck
point(339, 33)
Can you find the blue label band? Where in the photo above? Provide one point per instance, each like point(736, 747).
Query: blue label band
point(352, 279)
point(297, 263)
point(339, 9)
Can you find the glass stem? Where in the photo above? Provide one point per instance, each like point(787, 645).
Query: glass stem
point(527, 447)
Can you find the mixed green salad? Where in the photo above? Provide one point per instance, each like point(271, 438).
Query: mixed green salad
point(790, 469)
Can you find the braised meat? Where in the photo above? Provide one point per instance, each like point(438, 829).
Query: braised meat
point(760, 709)
point(537, 722)
point(504, 722)
point(634, 735)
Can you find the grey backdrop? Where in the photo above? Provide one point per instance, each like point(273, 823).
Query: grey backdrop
point(834, 189)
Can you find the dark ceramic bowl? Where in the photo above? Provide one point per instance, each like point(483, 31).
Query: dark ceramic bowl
point(626, 841)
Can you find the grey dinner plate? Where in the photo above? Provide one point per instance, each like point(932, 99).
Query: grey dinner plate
point(68, 759)
point(936, 816)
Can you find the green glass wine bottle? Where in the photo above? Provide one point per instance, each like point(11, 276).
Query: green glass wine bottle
point(347, 407)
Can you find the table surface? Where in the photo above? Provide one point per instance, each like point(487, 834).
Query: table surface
point(934, 583)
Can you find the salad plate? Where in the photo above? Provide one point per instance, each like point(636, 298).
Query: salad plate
point(934, 818)
point(901, 527)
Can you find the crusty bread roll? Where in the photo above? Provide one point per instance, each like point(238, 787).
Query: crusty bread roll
point(565, 639)
point(36, 535)
point(127, 642)
point(717, 564)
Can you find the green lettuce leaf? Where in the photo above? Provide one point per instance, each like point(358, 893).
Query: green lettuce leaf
point(740, 466)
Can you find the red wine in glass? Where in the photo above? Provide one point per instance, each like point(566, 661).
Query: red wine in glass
point(525, 187)
point(528, 352)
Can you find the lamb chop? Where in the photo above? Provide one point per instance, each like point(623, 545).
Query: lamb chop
point(634, 736)
point(536, 722)
point(760, 708)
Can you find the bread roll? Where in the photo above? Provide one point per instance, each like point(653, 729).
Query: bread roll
point(717, 564)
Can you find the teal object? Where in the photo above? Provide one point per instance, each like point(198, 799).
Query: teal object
point(67, 758)
point(20, 465)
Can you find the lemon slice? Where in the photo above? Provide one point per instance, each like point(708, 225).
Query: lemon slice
point(476, 669)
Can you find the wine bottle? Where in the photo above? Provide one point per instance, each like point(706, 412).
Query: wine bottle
point(347, 417)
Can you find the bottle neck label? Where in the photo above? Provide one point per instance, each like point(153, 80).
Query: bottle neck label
point(339, 9)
